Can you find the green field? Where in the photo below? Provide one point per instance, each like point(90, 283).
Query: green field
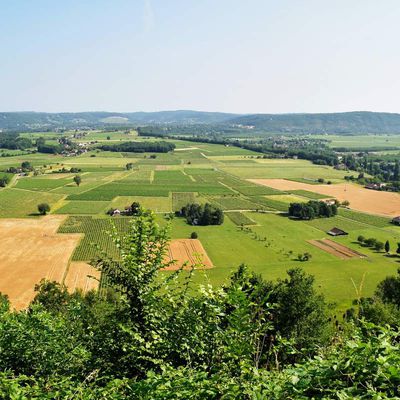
point(239, 218)
point(364, 141)
point(180, 200)
point(15, 203)
point(196, 172)
point(83, 207)
point(96, 239)
point(157, 204)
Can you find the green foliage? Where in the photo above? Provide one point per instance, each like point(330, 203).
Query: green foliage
point(312, 209)
point(13, 141)
point(304, 257)
point(150, 335)
point(4, 180)
point(199, 214)
point(363, 366)
point(389, 289)
point(77, 179)
point(43, 208)
point(139, 147)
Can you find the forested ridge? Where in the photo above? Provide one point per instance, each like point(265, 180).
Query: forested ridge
point(341, 123)
point(149, 335)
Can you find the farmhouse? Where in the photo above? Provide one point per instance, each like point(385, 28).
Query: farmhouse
point(396, 220)
point(337, 232)
point(374, 186)
point(330, 202)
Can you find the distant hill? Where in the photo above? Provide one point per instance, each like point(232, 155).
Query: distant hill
point(342, 123)
point(39, 120)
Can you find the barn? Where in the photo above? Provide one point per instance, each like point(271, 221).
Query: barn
point(396, 220)
point(337, 232)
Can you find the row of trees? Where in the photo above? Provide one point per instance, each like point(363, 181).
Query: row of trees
point(139, 147)
point(312, 209)
point(377, 244)
point(202, 214)
point(155, 336)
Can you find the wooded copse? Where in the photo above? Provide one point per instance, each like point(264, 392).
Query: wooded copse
point(153, 336)
point(13, 141)
point(312, 209)
point(202, 214)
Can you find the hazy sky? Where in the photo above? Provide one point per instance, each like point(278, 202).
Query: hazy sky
point(217, 55)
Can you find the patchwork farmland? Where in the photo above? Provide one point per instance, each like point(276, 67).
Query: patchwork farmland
point(253, 192)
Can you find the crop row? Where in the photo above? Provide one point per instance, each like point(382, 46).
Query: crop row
point(96, 239)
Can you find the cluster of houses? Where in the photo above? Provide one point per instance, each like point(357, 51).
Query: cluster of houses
point(133, 209)
point(117, 212)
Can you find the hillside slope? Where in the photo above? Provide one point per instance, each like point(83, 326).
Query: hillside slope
point(39, 120)
point(342, 123)
point(349, 122)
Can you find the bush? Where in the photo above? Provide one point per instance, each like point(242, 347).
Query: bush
point(304, 257)
point(43, 208)
point(194, 235)
point(370, 242)
point(379, 246)
point(361, 239)
point(4, 180)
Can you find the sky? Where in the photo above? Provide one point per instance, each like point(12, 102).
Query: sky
point(241, 56)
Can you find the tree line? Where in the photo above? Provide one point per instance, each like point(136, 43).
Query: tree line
point(140, 147)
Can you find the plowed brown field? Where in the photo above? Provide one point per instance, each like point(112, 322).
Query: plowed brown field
point(188, 252)
point(30, 250)
point(336, 249)
point(361, 199)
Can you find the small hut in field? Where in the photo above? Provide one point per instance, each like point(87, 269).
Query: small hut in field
point(337, 232)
